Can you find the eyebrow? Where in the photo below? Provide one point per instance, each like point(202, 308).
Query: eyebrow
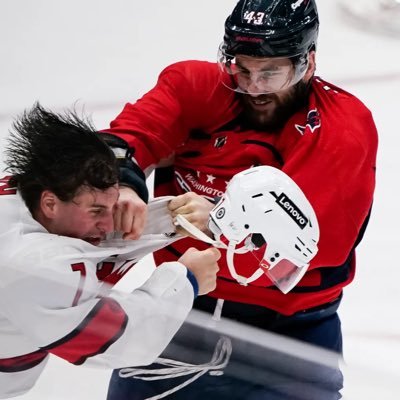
point(98, 206)
point(265, 69)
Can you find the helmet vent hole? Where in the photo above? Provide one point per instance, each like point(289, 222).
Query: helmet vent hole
point(247, 226)
point(258, 240)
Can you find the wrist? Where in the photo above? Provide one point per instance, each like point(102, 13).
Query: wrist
point(193, 281)
point(128, 177)
point(130, 174)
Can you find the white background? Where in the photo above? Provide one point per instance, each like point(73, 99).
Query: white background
point(97, 55)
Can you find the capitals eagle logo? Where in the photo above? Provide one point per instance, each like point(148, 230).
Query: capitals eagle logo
point(313, 122)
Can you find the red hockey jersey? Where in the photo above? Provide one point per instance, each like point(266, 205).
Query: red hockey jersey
point(328, 148)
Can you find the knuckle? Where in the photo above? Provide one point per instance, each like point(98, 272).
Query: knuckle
point(191, 195)
point(141, 205)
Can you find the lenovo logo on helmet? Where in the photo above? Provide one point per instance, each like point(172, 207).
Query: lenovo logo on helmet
point(292, 210)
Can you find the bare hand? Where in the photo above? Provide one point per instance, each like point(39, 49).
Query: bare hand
point(204, 266)
point(130, 213)
point(195, 208)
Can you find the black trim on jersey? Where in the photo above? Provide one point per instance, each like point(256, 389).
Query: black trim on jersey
point(363, 228)
point(265, 318)
point(233, 125)
point(199, 134)
point(190, 154)
point(330, 277)
point(106, 345)
point(22, 363)
point(164, 175)
point(240, 123)
point(268, 146)
point(173, 251)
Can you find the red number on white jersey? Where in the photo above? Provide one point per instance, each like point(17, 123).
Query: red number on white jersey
point(5, 187)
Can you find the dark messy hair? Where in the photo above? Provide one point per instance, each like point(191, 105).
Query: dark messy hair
point(57, 152)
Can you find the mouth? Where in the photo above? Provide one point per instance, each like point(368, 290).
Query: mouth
point(95, 241)
point(259, 102)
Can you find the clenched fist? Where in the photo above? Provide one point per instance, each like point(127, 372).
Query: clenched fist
point(130, 214)
point(204, 266)
point(195, 208)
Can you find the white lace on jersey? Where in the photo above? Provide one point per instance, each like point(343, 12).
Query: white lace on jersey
point(175, 369)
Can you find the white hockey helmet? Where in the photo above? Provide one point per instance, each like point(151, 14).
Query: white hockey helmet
point(265, 211)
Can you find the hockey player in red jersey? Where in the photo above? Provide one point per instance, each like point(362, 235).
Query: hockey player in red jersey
point(261, 104)
point(58, 253)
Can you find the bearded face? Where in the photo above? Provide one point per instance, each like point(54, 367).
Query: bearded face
point(271, 89)
point(271, 111)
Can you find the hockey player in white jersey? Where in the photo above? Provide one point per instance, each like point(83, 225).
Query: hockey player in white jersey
point(59, 257)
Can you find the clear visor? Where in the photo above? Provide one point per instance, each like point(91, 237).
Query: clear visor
point(284, 273)
point(253, 75)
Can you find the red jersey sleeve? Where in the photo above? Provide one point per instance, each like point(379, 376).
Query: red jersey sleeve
point(158, 123)
point(333, 161)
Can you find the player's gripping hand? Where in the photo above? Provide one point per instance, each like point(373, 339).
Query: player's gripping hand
point(195, 208)
point(204, 266)
point(130, 213)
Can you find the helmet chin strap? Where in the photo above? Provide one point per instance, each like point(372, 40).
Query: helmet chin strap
point(229, 258)
point(197, 233)
point(230, 250)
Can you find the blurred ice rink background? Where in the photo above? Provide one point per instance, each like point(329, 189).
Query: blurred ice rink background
point(97, 55)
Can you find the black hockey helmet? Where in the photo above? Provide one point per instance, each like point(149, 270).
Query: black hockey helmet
point(271, 28)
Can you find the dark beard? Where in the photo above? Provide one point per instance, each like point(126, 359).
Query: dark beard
point(296, 99)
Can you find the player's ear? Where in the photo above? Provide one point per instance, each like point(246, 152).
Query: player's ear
point(48, 204)
point(311, 66)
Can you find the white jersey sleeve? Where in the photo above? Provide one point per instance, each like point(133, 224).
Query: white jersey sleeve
point(65, 314)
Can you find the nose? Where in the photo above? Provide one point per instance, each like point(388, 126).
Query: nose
point(106, 224)
point(255, 85)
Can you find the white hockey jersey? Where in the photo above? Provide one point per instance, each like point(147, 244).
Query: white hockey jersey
point(55, 297)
